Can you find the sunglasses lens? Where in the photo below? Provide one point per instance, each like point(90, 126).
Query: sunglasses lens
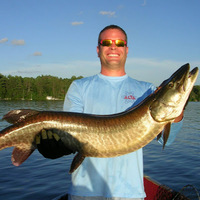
point(119, 43)
point(106, 43)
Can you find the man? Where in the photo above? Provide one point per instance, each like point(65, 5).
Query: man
point(111, 91)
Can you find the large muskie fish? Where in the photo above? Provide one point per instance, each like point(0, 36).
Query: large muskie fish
point(102, 136)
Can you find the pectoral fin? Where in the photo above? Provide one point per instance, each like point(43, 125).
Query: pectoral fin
point(20, 154)
point(159, 135)
point(166, 133)
point(78, 159)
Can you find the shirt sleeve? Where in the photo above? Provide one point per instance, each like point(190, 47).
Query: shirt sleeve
point(73, 100)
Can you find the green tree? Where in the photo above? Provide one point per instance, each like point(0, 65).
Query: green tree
point(3, 89)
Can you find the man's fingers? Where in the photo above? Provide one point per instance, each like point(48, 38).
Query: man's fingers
point(50, 134)
point(37, 139)
point(56, 136)
point(44, 134)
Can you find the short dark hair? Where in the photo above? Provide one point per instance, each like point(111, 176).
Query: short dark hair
point(113, 27)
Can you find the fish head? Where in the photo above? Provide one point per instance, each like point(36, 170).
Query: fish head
point(172, 95)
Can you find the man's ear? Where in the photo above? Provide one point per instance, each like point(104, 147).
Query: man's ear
point(126, 50)
point(98, 50)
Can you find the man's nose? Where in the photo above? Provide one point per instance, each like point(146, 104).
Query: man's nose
point(113, 46)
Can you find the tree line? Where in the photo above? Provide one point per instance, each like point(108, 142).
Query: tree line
point(39, 88)
point(195, 94)
point(44, 87)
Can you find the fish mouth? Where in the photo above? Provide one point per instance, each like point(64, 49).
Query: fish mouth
point(193, 72)
point(183, 78)
point(190, 78)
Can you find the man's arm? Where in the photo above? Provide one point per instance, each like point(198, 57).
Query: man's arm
point(73, 100)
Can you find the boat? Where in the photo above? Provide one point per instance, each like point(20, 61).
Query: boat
point(156, 191)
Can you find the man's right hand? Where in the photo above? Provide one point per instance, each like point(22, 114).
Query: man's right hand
point(50, 145)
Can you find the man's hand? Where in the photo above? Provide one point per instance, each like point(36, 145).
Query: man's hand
point(50, 145)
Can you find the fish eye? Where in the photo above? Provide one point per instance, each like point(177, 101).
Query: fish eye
point(171, 85)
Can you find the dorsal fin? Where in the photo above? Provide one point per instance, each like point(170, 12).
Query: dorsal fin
point(15, 116)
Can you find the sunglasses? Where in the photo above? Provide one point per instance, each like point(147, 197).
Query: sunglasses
point(107, 43)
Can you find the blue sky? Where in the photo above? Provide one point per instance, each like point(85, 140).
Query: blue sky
point(59, 37)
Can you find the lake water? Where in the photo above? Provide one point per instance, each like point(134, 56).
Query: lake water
point(40, 178)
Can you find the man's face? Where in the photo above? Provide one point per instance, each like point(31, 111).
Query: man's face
point(112, 56)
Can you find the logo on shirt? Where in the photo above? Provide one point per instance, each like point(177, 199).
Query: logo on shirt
point(129, 97)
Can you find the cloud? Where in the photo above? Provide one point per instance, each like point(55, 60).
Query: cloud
point(72, 68)
point(28, 72)
point(144, 3)
point(120, 7)
point(154, 70)
point(144, 69)
point(62, 69)
point(76, 23)
point(37, 53)
point(108, 13)
point(3, 40)
point(18, 42)
point(80, 13)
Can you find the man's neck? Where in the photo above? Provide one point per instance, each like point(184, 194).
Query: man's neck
point(110, 72)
